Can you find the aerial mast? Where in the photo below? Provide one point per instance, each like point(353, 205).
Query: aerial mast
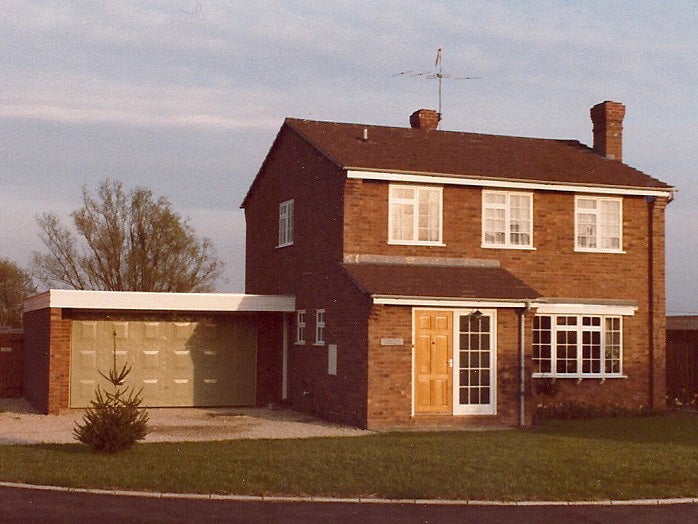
point(437, 75)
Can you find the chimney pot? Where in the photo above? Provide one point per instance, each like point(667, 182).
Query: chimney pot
point(607, 118)
point(425, 119)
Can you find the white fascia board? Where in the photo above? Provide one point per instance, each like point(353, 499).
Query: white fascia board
point(558, 308)
point(135, 300)
point(508, 184)
point(449, 302)
point(585, 309)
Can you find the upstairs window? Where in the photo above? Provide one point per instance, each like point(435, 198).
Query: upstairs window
point(286, 223)
point(415, 215)
point(507, 219)
point(598, 224)
point(577, 346)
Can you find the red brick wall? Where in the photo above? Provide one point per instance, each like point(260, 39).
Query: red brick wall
point(59, 362)
point(11, 364)
point(310, 270)
point(47, 360)
point(335, 216)
point(390, 372)
point(553, 268)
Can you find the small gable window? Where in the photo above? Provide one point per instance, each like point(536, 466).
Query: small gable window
point(286, 223)
point(319, 327)
point(598, 224)
point(415, 215)
point(300, 326)
point(507, 219)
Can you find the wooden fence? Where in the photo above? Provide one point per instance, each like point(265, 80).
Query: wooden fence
point(11, 363)
point(682, 367)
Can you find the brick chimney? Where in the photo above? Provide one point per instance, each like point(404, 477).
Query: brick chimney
point(607, 118)
point(425, 119)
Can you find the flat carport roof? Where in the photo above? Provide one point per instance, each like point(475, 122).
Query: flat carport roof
point(152, 301)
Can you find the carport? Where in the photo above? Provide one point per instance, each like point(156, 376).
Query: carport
point(185, 349)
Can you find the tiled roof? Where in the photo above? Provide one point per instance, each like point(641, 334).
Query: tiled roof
point(472, 155)
point(439, 281)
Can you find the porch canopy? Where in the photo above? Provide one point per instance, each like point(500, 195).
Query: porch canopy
point(423, 284)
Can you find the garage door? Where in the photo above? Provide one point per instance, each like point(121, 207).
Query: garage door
point(188, 363)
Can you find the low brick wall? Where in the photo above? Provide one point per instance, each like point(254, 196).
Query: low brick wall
point(11, 346)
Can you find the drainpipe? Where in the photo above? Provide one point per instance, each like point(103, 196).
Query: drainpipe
point(284, 358)
point(522, 365)
point(650, 299)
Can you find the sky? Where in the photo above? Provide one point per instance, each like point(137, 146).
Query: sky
point(185, 97)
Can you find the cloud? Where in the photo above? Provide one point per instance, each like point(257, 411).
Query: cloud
point(186, 97)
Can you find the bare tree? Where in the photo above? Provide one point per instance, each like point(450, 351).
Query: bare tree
point(129, 242)
point(15, 285)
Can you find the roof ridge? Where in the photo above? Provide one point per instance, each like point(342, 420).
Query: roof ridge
point(570, 141)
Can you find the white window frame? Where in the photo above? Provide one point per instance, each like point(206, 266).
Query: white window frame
point(300, 326)
point(606, 345)
point(319, 327)
point(418, 192)
point(286, 223)
point(474, 409)
point(509, 221)
point(597, 235)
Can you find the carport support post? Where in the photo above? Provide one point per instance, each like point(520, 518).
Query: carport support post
point(284, 358)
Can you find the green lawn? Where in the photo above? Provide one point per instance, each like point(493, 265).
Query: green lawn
point(624, 458)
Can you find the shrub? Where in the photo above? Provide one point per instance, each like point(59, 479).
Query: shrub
point(115, 420)
point(570, 410)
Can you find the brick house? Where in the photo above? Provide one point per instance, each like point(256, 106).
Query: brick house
point(445, 278)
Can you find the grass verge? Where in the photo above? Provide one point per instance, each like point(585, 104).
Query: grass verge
point(623, 458)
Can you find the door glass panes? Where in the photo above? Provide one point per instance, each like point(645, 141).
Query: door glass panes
point(475, 361)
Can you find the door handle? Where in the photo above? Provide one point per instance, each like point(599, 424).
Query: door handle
point(450, 362)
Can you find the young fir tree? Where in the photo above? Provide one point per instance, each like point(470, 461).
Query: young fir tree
point(115, 420)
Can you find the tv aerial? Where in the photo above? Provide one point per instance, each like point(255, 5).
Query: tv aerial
point(437, 74)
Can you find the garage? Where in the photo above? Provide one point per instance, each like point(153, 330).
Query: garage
point(184, 349)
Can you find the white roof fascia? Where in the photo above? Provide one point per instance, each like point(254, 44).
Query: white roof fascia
point(585, 309)
point(449, 302)
point(572, 308)
point(510, 184)
point(137, 300)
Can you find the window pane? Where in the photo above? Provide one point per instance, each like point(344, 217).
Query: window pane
point(429, 215)
point(415, 214)
point(402, 192)
point(599, 223)
point(403, 221)
point(612, 360)
point(506, 219)
point(586, 203)
point(541, 344)
point(495, 198)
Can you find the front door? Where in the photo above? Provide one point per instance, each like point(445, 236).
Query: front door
point(433, 361)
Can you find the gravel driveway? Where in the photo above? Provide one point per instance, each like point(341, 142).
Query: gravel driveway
point(20, 424)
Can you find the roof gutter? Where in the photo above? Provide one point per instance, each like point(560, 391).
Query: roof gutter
point(394, 300)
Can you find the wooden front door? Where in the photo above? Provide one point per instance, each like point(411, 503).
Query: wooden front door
point(433, 358)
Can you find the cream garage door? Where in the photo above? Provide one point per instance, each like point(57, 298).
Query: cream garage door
point(187, 363)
